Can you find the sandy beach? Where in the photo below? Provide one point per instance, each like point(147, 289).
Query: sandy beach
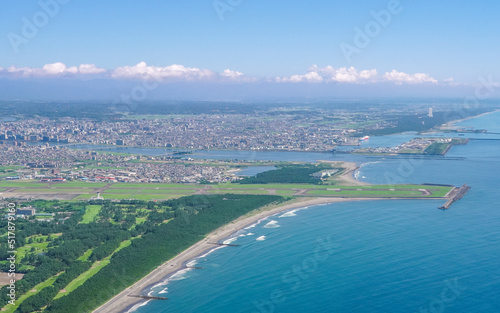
point(347, 177)
point(123, 303)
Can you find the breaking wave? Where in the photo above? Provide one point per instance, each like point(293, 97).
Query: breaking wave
point(163, 291)
point(272, 224)
point(230, 240)
point(288, 214)
point(138, 305)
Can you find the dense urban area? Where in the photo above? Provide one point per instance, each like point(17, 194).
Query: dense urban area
point(44, 147)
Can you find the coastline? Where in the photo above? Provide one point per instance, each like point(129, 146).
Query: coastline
point(123, 303)
point(347, 177)
point(451, 125)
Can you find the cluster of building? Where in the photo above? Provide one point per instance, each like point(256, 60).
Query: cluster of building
point(57, 164)
point(38, 146)
point(30, 212)
point(276, 131)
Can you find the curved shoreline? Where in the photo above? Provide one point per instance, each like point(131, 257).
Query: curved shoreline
point(452, 124)
point(347, 177)
point(123, 303)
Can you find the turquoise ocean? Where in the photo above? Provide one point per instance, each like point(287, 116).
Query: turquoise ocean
point(367, 256)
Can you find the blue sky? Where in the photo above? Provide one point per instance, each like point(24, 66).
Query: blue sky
point(259, 40)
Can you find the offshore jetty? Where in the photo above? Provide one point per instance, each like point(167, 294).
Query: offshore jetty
point(148, 297)
point(455, 195)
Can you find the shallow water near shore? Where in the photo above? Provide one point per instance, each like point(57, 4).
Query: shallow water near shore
point(370, 256)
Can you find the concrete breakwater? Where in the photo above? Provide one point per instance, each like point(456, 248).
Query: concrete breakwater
point(455, 195)
point(148, 297)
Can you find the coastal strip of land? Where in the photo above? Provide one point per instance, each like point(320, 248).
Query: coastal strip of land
point(122, 302)
point(347, 176)
point(453, 124)
point(337, 184)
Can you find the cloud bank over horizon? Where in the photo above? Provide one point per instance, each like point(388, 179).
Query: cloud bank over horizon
point(58, 81)
point(177, 72)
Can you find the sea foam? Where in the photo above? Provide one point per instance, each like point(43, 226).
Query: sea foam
point(292, 212)
point(137, 306)
point(230, 240)
point(255, 224)
point(163, 291)
point(288, 214)
point(272, 224)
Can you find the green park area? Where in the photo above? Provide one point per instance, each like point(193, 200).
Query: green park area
point(98, 245)
point(91, 213)
point(151, 191)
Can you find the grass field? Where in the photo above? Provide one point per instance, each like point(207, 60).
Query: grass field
point(83, 184)
point(39, 248)
point(12, 308)
point(151, 191)
point(96, 267)
point(441, 192)
point(151, 185)
point(86, 255)
point(272, 186)
point(367, 193)
point(157, 197)
point(91, 212)
point(247, 191)
point(57, 190)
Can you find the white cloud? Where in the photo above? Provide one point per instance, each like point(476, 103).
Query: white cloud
point(331, 74)
point(58, 69)
point(23, 71)
point(53, 69)
point(400, 78)
point(142, 70)
point(312, 77)
point(90, 69)
point(367, 74)
point(315, 74)
point(352, 75)
point(177, 72)
point(231, 74)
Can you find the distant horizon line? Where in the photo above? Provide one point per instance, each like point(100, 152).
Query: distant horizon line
point(276, 100)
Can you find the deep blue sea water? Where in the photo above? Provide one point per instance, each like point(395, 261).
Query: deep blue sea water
point(368, 256)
